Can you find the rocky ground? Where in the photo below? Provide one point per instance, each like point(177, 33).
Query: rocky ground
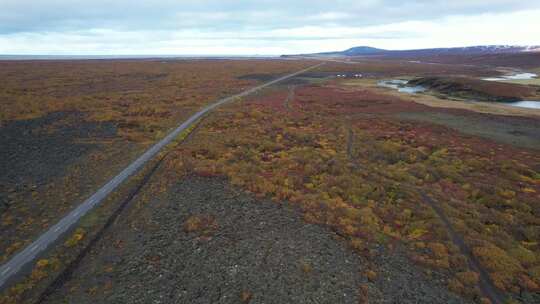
point(34, 151)
point(203, 241)
point(49, 164)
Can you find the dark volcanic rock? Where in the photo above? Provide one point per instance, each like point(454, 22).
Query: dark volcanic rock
point(35, 150)
point(256, 250)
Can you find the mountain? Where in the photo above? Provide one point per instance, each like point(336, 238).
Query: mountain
point(356, 51)
point(363, 50)
point(470, 50)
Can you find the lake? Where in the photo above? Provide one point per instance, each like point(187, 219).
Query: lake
point(531, 104)
point(401, 86)
point(517, 76)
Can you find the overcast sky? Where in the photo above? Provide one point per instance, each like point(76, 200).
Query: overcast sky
point(269, 27)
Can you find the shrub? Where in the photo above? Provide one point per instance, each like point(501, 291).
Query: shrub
point(523, 255)
point(468, 278)
point(371, 275)
point(369, 218)
point(42, 263)
point(502, 267)
point(202, 224)
point(306, 267)
point(496, 259)
point(75, 238)
point(534, 272)
point(246, 296)
point(439, 250)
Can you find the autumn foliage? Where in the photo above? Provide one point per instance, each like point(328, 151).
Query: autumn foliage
point(343, 159)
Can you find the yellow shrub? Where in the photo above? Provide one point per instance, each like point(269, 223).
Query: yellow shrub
point(75, 238)
point(42, 263)
point(523, 255)
point(369, 218)
point(502, 267)
point(417, 233)
point(468, 278)
point(202, 224)
point(371, 275)
point(357, 244)
point(496, 259)
point(438, 249)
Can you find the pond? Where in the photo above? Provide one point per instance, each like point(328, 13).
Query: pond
point(517, 76)
point(530, 104)
point(401, 86)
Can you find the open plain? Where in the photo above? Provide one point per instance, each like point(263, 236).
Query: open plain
point(321, 188)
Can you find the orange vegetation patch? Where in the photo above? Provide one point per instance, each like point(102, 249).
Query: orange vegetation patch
point(274, 100)
point(203, 225)
point(390, 68)
point(338, 101)
point(144, 97)
point(345, 160)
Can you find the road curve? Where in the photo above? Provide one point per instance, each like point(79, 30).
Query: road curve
point(27, 255)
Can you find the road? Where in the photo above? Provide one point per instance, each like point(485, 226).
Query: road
point(485, 283)
point(27, 255)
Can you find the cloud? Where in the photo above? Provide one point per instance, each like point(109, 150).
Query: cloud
point(264, 26)
point(62, 15)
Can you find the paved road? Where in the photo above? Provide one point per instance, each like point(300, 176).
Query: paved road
point(29, 253)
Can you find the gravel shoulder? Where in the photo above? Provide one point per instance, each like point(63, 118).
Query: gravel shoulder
point(238, 249)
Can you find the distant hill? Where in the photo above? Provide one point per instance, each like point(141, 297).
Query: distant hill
point(470, 50)
point(356, 51)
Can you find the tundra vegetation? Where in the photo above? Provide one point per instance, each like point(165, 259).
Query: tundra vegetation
point(341, 154)
point(144, 98)
point(110, 110)
point(138, 101)
point(347, 162)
